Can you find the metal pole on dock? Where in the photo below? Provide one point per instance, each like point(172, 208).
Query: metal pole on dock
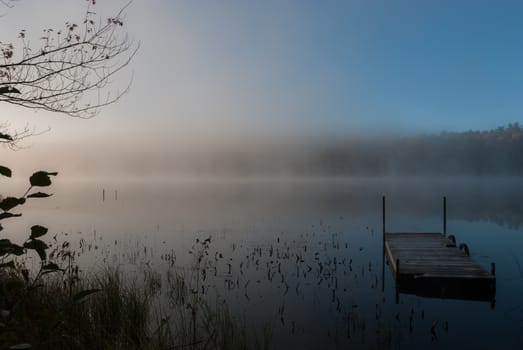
point(383, 204)
point(493, 285)
point(397, 281)
point(444, 215)
point(383, 249)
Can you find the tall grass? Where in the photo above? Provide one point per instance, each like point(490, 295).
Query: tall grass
point(116, 313)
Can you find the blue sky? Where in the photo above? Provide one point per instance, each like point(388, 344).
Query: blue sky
point(227, 67)
point(417, 65)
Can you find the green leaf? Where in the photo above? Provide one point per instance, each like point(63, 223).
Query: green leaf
point(7, 247)
point(8, 215)
point(21, 346)
point(39, 195)
point(8, 90)
point(39, 246)
point(6, 137)
point(38, 231)
point(40, 179)
point(46, 272)
point(5, 171)
point(10, 264)
point(25, 274)
point(4, 242)
point(9, 203)
point(78, 297)
point(51, 266)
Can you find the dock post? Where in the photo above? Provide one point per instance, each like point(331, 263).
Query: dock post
point(383, 248)
point(383, 271)
point(383, 219)
point(444, 215)
point(397, 281)
point(493, 285)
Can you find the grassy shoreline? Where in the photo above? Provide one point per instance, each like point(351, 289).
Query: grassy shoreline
point(105, 310)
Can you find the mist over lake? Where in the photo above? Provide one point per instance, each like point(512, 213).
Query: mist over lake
point(287, 233)
point(494, 152)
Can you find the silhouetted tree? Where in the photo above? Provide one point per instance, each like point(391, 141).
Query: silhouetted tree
point(68, 73)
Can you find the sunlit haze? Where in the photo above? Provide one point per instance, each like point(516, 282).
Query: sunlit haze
point(214, 74)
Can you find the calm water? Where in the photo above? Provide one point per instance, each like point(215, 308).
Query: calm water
point(305, 256)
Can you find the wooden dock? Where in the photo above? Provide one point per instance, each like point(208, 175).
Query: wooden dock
point(432, 265)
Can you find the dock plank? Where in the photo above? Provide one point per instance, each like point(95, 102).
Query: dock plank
point(431, 259)
point(431, 265)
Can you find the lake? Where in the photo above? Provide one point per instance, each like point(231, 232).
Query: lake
point(303, 255)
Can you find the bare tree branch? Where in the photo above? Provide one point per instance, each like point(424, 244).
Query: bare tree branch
point(12, 137)
point(71, 71)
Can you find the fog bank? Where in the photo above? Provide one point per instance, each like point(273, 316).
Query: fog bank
point(485, 153)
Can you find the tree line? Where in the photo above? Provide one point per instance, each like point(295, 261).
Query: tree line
point(490, 152)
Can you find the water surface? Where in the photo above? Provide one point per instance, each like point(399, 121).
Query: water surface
point(305, 256)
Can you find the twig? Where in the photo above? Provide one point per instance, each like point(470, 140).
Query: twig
point(518, 265)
